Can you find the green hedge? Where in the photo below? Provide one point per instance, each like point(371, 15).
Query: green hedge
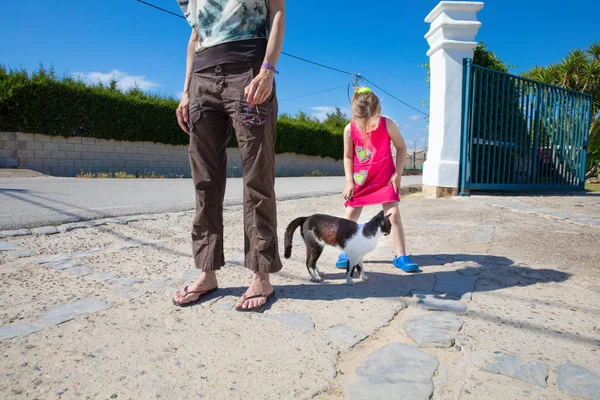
point(42, 103)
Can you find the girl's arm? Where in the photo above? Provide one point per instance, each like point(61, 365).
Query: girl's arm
point(400, 146)
point(398, 141)
point(348, 163)
point(259, 90)
point(348, 155)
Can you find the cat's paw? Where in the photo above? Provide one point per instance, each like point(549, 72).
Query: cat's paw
point(349, 282)
point(317, 278)
point(364, 277)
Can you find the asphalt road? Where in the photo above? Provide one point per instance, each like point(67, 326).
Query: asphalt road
point(46, 200)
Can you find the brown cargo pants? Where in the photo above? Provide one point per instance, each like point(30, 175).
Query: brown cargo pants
point(218, 103)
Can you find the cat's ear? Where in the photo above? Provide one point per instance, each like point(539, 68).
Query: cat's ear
point(387, 217)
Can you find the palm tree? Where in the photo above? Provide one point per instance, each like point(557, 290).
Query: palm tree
point(579, 71)
point(594, 51)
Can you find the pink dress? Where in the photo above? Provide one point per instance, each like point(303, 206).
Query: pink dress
point(373, 168)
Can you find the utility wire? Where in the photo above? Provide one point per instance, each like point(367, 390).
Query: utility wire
point(312, 94)
point(316, 63)
point(161, 9)
point(389, 94)
point(356, 76)
point(287, 54)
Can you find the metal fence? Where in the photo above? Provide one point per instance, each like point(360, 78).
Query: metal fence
point(519, 134)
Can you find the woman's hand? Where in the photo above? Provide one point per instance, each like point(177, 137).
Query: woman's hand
point(259, 90)
point(348, 191)
point(395, 181)
point(183, 113)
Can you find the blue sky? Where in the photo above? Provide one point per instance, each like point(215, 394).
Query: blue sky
point(384, 43)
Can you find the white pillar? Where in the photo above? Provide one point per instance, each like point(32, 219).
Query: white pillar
point(451, 38)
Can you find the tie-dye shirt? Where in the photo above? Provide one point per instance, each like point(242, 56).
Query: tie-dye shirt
point(223, 21)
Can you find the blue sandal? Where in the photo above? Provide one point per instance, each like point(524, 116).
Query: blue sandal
point(342, 262)
point(405, 264)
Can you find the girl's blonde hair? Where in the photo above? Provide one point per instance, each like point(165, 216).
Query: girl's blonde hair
point(365, 105)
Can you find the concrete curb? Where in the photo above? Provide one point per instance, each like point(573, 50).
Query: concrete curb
point(404, 191)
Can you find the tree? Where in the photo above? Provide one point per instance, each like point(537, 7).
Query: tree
point(336, 121)
point(486, 58)
point(481, 56)
point(579, 71)
point(135, 91)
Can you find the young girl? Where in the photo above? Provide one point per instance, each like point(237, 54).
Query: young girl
point(371, 177)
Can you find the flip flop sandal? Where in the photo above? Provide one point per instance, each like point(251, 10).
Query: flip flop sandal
point(269, 297)
point(203, 294)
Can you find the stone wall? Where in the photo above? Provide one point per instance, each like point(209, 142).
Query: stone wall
point(60, 156)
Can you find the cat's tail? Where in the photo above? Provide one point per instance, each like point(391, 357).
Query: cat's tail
point(289, 233)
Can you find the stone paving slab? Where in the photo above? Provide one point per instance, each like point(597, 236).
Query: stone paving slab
point(18, 330)
point(15, 232)
point(469, 271)
point(475, 258)
point(88, 253)
point(64, 264)
point(83, 254)
point(302, 322)
point(345, 337)
point(66, 312)
point(435, 329)
point(164, 283)
point(395, 371)
point(128, 292)
point(578, 381)
point(20, 253)
point(224, 304)
point(45, 230)
point(533, 372)
point(455, 284)
point(7, 246)
point(115, 220)
point(158, 284)
point(79, 225)
point(143, 242)
point(79, 271)
point(51, 259)
point(129, 281)
point(122, 246)
point(71, 226)
point(437, 303)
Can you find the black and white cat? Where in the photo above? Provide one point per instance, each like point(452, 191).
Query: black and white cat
point(354, 239)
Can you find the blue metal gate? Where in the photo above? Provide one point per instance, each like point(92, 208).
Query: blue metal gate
point(519, 134)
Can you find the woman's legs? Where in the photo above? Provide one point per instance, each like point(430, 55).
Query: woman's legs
point(255, 128)
point(209, 134)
